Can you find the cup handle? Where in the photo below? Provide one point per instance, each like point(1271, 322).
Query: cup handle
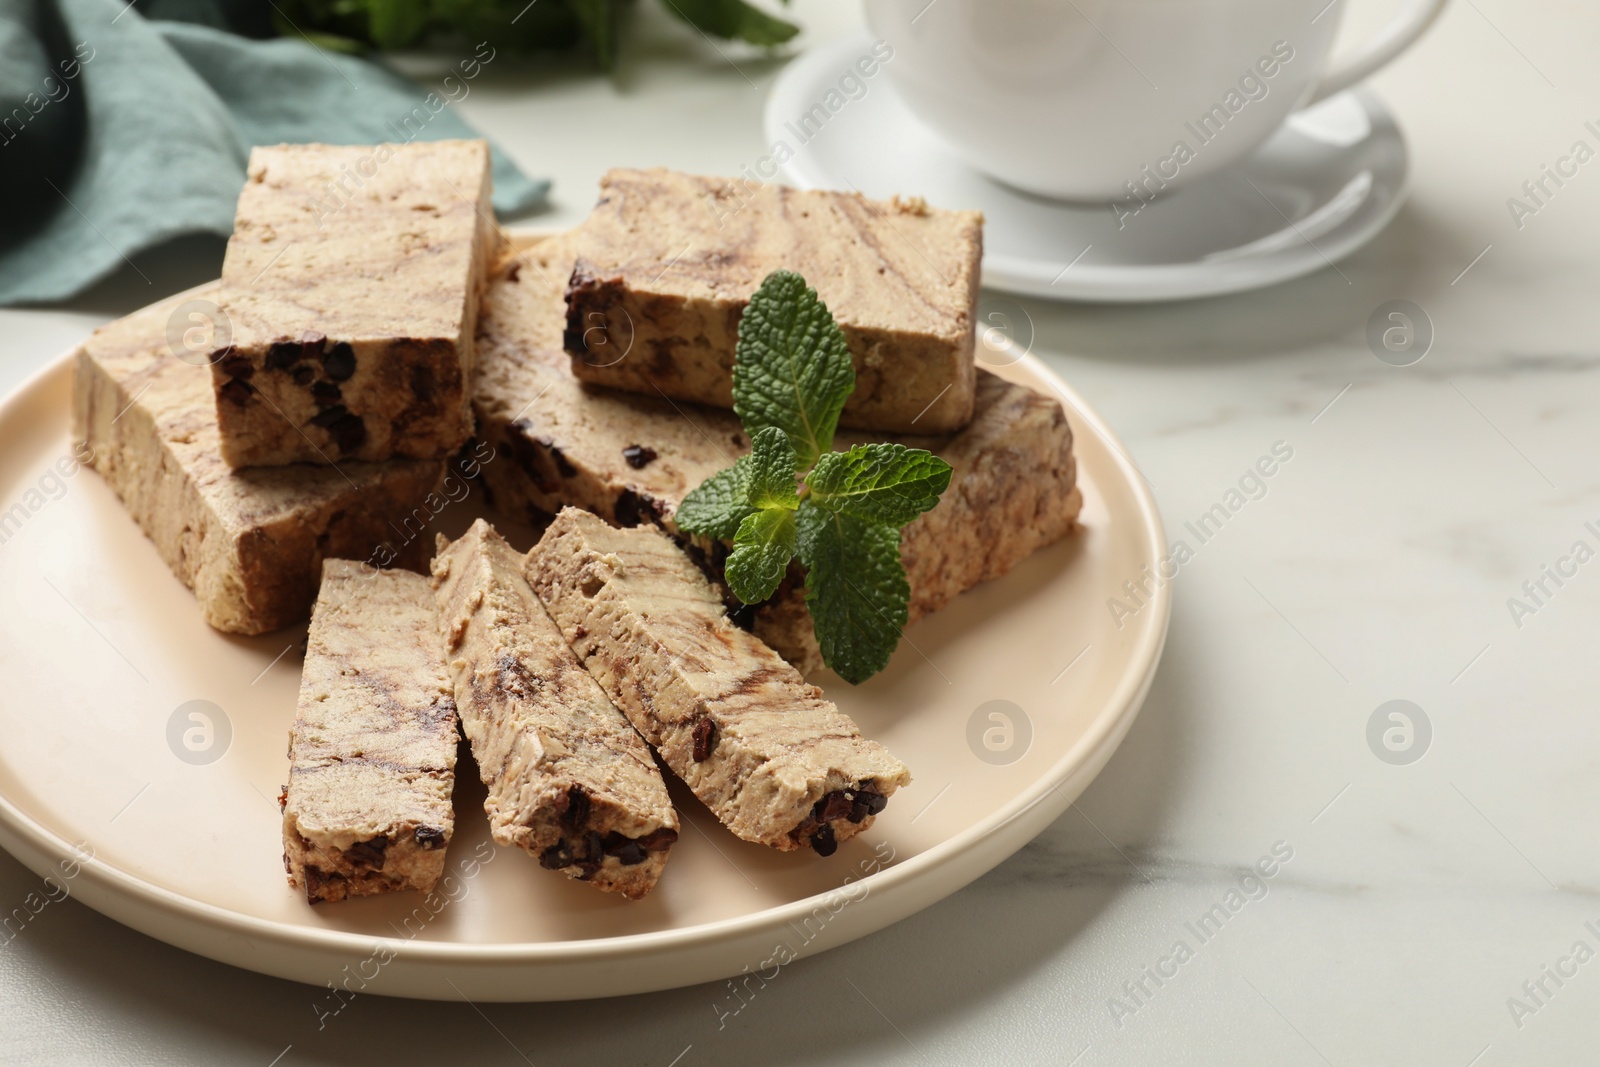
point(1388, 43)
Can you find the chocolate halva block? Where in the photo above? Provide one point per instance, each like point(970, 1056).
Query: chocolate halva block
point(666, 263)
point(772, 758)
point(632, 458)
point(372, 753)
point(569, 779)
point(349, 301)
point(250, 543)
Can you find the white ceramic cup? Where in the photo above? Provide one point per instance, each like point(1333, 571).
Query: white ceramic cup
point(1106, 99)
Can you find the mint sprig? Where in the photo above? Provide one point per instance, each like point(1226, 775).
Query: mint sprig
point(839, 512)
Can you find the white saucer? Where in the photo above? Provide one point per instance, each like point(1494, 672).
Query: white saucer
point(1323, 186)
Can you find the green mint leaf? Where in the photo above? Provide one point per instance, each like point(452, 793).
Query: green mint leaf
point(791, 368)
point(763, 479)
point(856, 589)
point(761, 553)
point(764, 541)
point(883, 483)
point(770, 482)
point(717, 506)
point(733, 20)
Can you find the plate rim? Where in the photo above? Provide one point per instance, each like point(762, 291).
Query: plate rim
point(109, 887)
point(1114, 285)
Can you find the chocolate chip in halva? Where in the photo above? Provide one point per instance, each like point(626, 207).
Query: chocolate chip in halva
point(283, 355)
point(346, 430)
point(339, 361)
point(349, 433)
point(564, 465)
point(866, 803)
point(368, 853)
point(573, 808)
point(705, 740)
point(834, 805)
point(594, 854)
point(659, 840)
point(633, 507)
point(235, 364)
point(638, 456)
point(328, 416)
point(237, 390)
point(626, 849)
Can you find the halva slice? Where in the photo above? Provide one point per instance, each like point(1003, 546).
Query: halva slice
point(249, 543)
point(632, 458)
point(775, 761)
point(569, 779)
point(372, 753)
point(666, 263)
point(350, 292)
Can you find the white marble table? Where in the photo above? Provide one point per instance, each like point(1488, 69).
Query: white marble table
point(1419, 898)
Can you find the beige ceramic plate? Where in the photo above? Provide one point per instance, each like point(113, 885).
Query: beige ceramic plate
point(102, 651)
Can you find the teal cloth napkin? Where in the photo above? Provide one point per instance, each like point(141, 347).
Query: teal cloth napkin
point(118, 132)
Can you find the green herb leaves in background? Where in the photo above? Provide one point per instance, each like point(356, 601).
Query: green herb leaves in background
point(599, 18)
point(791, 377)
point(733, 20)
point(543, 25)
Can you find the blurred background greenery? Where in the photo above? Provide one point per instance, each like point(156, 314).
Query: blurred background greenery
point(526, 25)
